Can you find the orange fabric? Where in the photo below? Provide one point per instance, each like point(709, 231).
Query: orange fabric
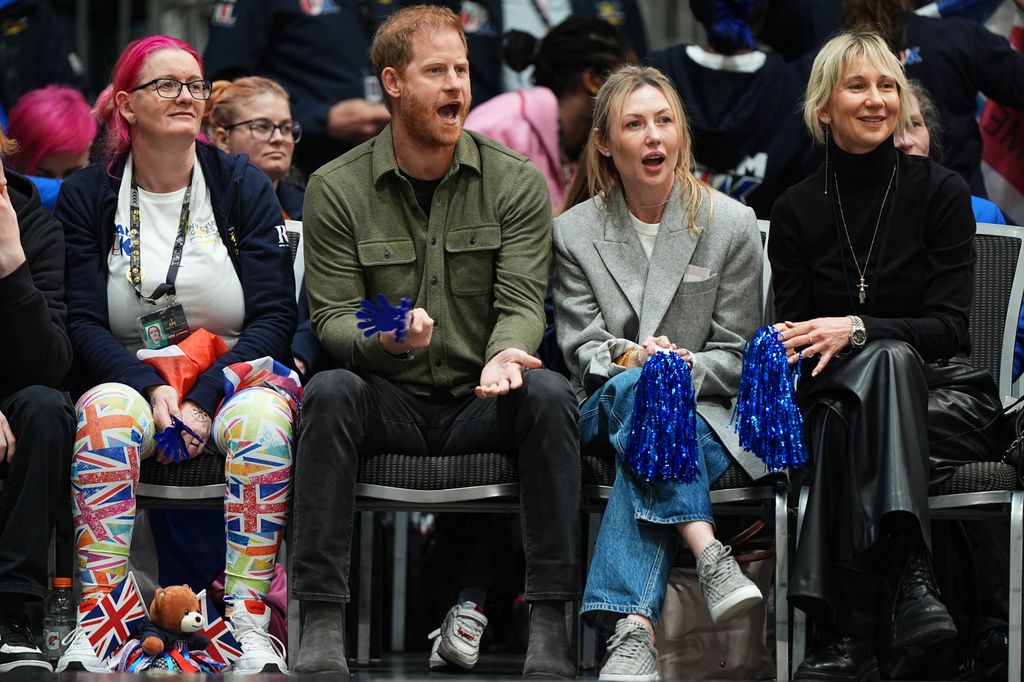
point(182, 363)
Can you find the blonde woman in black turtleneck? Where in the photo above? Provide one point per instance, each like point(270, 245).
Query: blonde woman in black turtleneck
point(873, 275)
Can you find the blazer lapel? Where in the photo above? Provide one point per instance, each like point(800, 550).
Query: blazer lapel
point(622, 254)
point(672, 252)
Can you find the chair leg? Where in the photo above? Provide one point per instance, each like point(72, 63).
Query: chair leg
point(1016, 576)
point(365, 587)
point(799, 617)
point(398, 581)
point(781, 583)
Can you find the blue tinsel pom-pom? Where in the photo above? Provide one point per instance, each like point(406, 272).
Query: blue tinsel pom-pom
point(766, 417)
point(663, 440)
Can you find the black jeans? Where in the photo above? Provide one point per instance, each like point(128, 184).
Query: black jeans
point(36, 482)
point(347, 415)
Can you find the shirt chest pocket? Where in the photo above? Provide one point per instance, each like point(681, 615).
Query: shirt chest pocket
point(389, 266)
point(471, 252)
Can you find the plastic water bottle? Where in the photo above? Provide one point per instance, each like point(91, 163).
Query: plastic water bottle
point(59, 618)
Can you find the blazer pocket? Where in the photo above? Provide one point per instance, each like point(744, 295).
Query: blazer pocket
point(701, 287)
point(471, 252)
point(390, 266)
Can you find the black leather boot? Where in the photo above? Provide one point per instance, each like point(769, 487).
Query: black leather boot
point(918, 617)
point(838, 657)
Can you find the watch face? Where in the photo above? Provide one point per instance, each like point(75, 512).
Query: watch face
point(858, 337)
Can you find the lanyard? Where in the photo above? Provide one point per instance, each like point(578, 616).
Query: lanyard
point(135, 227)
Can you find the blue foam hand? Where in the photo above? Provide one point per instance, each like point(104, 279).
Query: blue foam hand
point(381, 316)
point(171, 441)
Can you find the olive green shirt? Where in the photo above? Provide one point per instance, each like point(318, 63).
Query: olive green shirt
point(478, 266)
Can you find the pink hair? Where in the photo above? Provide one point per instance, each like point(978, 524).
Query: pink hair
point(47, 121)
point(125, 77)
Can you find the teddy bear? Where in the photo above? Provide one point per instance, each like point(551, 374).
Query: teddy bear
point(174, 616)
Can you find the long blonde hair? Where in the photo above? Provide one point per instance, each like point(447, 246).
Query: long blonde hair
point(597, 174)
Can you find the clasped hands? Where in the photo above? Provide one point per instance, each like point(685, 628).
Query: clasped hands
point(501, 374)
point(822, 337)
point(165, 403)
point(657, 344)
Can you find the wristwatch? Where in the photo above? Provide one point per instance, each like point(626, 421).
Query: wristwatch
point(858, 334)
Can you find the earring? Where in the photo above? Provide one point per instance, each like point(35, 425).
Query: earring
point(131, 120)
point(593, 90)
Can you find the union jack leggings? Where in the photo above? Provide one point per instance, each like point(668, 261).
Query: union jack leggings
point(253, 428)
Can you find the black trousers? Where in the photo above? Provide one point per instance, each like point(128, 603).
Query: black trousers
point(36, 482)
point(346, 415)
point(885, 429)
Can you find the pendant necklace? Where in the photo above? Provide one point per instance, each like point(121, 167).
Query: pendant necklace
point(862, 286)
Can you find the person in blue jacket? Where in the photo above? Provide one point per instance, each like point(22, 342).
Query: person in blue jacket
point(172, 231)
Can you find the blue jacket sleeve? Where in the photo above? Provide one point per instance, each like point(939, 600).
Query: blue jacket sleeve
point(268, 285)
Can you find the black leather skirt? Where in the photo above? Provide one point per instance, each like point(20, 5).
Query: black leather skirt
point(883, 429)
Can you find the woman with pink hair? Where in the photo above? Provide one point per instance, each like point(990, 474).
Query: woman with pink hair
point(55, 128)
point(166, 198)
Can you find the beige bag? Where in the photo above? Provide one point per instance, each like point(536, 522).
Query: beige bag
point(691, 647)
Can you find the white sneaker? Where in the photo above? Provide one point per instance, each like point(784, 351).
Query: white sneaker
point(80, 655)
point(457, 641)
point(727, 591)
point(261, 651)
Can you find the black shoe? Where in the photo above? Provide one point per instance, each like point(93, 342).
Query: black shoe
point(918, 617)
point(18, 646)
point(839, 657)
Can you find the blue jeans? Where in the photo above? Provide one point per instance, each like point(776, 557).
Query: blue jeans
point(638, 539)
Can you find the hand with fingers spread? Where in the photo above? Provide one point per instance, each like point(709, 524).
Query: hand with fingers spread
point(504, 372)
point(164, 402)
point(822, 336)
point(7, 440)
point(419, 330)
point(197, 419)
point(12, 255)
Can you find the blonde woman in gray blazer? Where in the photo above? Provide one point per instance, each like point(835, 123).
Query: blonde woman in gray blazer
point(649, 259)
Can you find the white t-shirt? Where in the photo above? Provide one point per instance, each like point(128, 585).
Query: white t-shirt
point(648, 234)
point(207, 285)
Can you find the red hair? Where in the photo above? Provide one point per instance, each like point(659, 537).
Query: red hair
point(124, 77)
point(47, 121)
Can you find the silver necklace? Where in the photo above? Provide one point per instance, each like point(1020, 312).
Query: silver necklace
point(862, 294)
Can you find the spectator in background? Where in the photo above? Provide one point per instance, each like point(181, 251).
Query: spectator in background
point(748, 139)
point(37, 422)
point(954, 59)
point(318, 52)
point(55, 128)
point(550, 123)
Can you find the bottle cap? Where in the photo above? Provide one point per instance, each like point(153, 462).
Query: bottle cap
point(62, 582)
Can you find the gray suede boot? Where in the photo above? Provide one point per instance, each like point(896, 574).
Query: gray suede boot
point(547, 654)
point(322, 642)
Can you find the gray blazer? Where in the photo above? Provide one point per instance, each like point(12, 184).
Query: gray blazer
point(703, 293)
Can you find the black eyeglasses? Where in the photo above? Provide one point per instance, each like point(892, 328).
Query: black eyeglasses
point(262, 129)
point(169, 88)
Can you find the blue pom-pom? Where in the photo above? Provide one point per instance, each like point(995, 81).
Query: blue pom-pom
point(766, 417)
point(663, 440)
point(383, 317)
point(171, 441)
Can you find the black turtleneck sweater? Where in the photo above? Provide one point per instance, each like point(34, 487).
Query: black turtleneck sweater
point(921, 273)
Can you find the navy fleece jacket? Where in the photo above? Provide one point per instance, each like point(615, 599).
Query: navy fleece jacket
point(250, 224)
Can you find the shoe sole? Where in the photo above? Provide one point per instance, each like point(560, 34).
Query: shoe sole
point(927, 631)
point(27, 663)
point(653, 677)
point(76, 666)
point(736, 603)
point(869, 673)
point(452, 658)
point(268, 668)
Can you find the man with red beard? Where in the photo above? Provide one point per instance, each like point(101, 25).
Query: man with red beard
point(461, 226)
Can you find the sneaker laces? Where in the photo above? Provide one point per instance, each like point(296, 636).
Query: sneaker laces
point(259, 639)
point(917, 573)
point(627, 644)
point(14, 630)
point(719, 571)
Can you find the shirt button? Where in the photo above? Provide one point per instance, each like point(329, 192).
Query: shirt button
point(433, 241)
point(387, 254)
point(472, 241)
point(433, 281)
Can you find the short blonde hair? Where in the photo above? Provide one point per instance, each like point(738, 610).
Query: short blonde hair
point(839, 51)
point(392, 43)
point(597, 173)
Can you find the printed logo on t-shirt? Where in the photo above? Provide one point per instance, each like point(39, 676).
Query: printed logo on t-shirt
point(315, 8)
point(122, 242)
point(611, 12)
point(203, 235)
point(740, 181)
point(911, 55)
point(282, 235)
point(224, 14)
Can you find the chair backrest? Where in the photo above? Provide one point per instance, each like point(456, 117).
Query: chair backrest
point(998, 288)
point(295, 241)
